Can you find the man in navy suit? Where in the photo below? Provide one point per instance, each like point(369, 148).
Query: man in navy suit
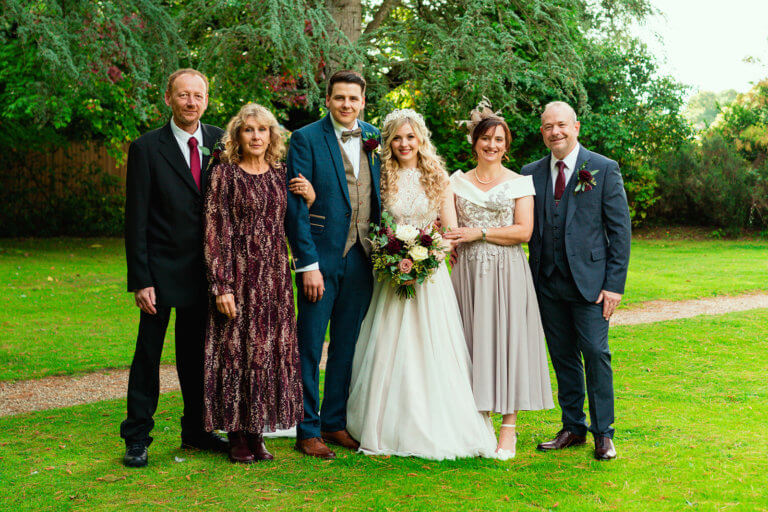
point(165, 185)
point(328, 244)
point(579, 254)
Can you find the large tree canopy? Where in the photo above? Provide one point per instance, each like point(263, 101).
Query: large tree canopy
point(83, 69)
point(97, 69)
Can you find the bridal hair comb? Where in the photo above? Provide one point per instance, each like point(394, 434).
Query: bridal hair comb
point(405, 113)
point(483, 110)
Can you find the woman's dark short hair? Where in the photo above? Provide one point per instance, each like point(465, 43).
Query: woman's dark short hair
point(346, 76)
point(489, 124)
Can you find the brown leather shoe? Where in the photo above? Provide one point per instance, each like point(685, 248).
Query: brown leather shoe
point(563, 439)
point(604, 449)
point(258, 448)
point(238, 448)
point(341, 438)
point(314, 447)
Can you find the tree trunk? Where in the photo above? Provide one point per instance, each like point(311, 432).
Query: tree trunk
point(349, 17)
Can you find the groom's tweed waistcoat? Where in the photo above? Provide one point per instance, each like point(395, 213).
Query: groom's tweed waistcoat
point(553, 236)
point(360, 200)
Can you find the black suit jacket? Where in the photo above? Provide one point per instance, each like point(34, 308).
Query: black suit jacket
point(597, 226)
point(164, 218)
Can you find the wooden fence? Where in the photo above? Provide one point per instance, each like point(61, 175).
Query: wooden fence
point(67, 168)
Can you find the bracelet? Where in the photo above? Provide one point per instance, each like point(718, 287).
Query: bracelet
point(483, 231)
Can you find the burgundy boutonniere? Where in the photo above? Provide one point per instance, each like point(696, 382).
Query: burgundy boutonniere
point(586, 179)
point(215, 155)
point(370, 142)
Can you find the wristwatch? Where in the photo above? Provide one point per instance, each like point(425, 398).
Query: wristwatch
point(484, 232)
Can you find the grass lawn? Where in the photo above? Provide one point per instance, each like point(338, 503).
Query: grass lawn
point(65, 308)
point(691, 406)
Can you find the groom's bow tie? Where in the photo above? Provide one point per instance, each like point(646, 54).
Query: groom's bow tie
point(347, 134)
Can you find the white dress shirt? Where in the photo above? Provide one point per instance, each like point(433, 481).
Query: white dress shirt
point(183, 137)
point(352, 149)
point(570, 165)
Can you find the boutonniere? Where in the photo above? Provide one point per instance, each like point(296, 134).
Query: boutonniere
point(586, 179)
point(371, 143)
point(215, 156)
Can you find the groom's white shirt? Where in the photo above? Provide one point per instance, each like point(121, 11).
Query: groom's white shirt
point(352, 144)
point(354, 158)
point(570, 165)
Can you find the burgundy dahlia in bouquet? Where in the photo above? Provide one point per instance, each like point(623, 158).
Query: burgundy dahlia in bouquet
point(406, 255)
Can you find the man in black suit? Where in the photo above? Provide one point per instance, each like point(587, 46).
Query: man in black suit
point(164, 251)
point(579, 254)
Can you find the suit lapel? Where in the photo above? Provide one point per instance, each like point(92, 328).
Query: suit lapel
point(169, 148)
point(583, 157)
point(333, 147)
point(540, 186)
point(208, 142)
point(373, 164)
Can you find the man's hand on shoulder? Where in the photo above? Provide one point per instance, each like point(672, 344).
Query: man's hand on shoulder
point(146, 300)
point(610, 300)
point(313, 284)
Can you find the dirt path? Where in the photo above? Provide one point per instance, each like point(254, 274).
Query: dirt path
point(53, 392)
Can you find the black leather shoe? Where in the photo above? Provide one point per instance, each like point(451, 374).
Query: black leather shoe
point(135, 455)
point(563, 439)
point(208, 441)
point(604, 449)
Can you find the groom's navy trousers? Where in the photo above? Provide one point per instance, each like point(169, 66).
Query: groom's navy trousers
point(348, 290)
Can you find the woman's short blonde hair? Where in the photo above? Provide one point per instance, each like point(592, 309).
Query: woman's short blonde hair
point(231, 139)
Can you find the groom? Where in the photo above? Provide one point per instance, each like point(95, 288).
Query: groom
point(579, 253)
point(333, 269)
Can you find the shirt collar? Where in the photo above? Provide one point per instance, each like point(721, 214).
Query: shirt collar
point(338, 127)
point(184, 136)
point(570, 159)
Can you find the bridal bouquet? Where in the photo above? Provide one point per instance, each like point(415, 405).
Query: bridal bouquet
point(405, 255)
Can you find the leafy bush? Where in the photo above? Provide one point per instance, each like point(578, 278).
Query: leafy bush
point(711, 184)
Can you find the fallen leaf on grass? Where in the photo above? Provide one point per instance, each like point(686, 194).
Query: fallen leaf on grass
point(413, 474)
point(95, 246)
point(48, 468)
point(110, 478)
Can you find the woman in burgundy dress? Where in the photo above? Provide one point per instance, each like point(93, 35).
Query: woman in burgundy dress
point(252, 373)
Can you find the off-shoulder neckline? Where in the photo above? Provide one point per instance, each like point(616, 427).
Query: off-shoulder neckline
point(466, 180)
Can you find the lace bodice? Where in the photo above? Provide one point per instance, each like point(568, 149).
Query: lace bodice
point(488, 209)
point(410, 204)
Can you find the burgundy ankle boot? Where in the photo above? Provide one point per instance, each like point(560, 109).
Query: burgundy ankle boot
point(238, 448)
point(258, 448)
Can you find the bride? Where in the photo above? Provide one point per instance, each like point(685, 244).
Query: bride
point(410, 392)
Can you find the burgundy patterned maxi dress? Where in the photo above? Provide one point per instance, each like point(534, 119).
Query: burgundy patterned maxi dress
point(252, 373)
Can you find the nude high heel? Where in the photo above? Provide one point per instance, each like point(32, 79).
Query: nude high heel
point(503, 454)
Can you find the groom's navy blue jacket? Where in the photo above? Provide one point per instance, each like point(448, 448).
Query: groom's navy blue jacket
point(597, 225)
point(319, 234)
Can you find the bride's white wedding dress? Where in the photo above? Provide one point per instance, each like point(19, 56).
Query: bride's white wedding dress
point(410, 392)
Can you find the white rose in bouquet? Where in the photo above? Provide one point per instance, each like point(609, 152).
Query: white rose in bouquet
point(406, 233)
point(418, 253)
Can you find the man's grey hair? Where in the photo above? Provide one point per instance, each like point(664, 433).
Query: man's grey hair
point(560, 104)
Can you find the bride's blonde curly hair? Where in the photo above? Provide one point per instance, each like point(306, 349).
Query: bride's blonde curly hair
point(434, 178)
